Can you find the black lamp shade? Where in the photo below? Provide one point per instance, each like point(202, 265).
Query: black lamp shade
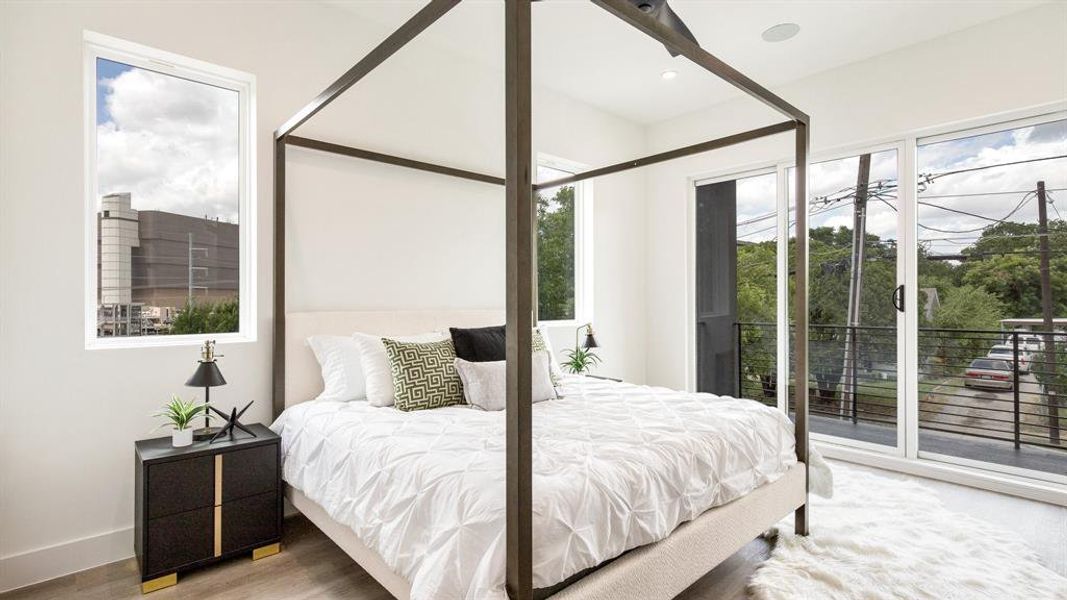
point(207, 375)
point(590, 341)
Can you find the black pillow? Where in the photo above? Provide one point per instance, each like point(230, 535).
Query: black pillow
point(480, 344)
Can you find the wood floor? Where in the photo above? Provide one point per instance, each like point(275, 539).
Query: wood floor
point(311, 566)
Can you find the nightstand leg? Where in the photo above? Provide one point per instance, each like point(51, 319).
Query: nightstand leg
point(159, 583)
point(265, 551)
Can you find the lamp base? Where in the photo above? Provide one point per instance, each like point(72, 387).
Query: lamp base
point(205, 433)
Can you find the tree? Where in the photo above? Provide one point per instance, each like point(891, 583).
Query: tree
point(207, 317)
point(555, 255)
point(965, 307)
point(1006, 263)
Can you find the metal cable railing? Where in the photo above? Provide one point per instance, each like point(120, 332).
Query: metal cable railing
point(1000, 385)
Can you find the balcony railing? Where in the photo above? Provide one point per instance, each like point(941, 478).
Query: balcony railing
point(1005, 386)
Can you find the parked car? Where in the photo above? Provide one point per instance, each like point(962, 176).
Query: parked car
point(1028, 340)
point(1007, 352)
point(991, 373)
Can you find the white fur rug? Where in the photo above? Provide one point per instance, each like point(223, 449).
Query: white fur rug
point(881, 538)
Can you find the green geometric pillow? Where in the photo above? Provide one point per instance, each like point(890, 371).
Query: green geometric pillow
point(424, 374)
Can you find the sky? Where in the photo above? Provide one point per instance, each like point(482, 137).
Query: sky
point(989, 192)
point(171, 142)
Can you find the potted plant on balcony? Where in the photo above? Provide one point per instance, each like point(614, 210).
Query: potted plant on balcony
point(179, 414)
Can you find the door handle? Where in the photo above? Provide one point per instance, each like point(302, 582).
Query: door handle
point(898, 298)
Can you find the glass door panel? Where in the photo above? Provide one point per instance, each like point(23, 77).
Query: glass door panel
point(854, 221)
point(992, 370)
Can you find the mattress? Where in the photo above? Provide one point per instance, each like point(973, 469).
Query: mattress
point(615, 466)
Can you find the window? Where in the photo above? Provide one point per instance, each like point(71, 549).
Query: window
point(169, 187)
point(563, 252)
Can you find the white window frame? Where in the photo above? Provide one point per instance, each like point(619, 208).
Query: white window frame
point(96, 46)
point(583, 243)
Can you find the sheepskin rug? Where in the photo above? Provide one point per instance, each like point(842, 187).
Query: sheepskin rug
point(881, 538)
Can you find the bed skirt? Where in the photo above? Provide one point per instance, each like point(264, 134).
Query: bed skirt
point(659, 570)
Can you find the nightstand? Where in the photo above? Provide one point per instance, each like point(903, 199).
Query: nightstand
point(206, 502)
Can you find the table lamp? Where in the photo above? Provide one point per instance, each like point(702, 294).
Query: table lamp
point(207, 376)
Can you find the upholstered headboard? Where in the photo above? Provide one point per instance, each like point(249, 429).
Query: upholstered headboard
point(303, 380)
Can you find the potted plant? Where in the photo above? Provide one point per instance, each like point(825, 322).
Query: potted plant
point(179, 414)
point(580, 360)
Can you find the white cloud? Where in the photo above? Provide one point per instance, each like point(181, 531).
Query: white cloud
point(172, 143)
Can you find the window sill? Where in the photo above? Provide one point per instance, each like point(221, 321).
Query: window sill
point(163, 341)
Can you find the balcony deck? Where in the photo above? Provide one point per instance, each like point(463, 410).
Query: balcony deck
point(951, 444)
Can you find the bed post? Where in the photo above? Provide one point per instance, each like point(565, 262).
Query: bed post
point(278, 395)
point(800, 304)
point(519, 276)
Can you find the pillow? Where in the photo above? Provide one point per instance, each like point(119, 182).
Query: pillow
point(375, 364)
point(489, 344)
point(424, 374)
point(542, 344)
point(485, 383)
point(342, 373)
point(482, 344)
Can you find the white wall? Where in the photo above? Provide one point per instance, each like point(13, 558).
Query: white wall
point(1004, 65)
point(68, 416)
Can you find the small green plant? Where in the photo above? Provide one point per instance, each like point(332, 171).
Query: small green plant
point(580, 360)
point(179, 413)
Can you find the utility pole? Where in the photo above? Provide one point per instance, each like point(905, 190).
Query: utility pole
point(1051, 391)
point(855, 284)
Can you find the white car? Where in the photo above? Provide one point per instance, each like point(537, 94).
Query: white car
point(1028, 340)
point(1007, 352)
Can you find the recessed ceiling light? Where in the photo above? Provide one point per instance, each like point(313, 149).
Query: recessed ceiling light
point(781, 32)
point(668, 75)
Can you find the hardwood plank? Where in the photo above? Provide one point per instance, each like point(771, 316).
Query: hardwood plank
point(311, 566)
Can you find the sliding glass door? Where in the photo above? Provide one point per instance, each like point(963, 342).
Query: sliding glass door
point(856, 299)
point(992, 260)
point(938, 301)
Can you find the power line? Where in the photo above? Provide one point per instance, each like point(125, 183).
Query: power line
point(932, 177)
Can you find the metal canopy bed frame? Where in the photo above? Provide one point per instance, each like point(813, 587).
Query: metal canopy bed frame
point(520, 320)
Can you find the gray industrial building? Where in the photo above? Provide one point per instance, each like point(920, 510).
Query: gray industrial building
point(152, 263)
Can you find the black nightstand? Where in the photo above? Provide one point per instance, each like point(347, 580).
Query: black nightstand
point(206, 502)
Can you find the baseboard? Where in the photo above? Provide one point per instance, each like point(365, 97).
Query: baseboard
point(1049, 492)
point(42, 564)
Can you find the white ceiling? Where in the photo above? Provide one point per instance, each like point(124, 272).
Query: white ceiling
point(581, 51)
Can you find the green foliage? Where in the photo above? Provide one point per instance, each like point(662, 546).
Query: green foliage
point(1007, 264)
point(555, 255)
point(580, 360)
point(207, 317)
point(179, 413)
point(965, 307)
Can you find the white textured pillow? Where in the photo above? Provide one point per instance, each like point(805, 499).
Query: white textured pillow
point(553, 359)
point(375, 363)
point(485, 383)
point(342, 371)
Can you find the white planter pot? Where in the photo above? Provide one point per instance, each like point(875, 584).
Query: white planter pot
point(182, 437)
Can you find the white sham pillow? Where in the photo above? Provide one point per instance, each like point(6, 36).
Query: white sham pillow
point(342, 371)
point(553, 359)
point(485, 383)
point(375, 363)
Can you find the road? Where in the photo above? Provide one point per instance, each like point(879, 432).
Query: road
point(953, 407)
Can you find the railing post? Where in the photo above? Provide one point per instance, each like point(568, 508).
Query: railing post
point(740, 376)
point(1015, 384)
point(855, 379)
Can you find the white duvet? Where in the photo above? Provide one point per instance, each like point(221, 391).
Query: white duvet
point(616, 466)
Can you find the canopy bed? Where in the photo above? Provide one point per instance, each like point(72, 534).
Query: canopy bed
point(670, 542)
